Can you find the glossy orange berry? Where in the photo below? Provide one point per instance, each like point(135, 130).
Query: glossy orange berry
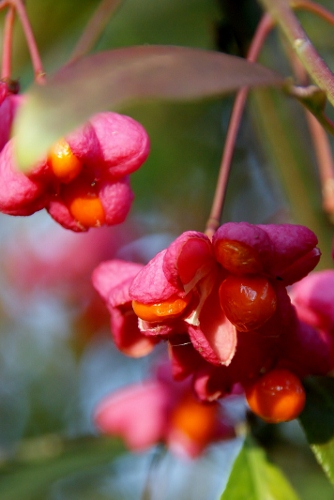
point(247, 301)
point(237, 257)
point(64, 164)
point(278, 396)
point(169, 309)
point(194, 419)
point(83, 203)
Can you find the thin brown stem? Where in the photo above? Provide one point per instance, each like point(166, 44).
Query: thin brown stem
point(260, 36)
point(325, 162)
point(7, 44)
point(314, 8)
point(4, 4)
point(31, 42)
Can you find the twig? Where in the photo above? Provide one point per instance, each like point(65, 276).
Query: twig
point(262, 31)
point(7, 44)
point(315, 8)
point(95, 27)
point(31, 42)
point(285, 18)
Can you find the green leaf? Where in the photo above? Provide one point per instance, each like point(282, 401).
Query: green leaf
point(254, 478)
point(116, 78)
point(30, 478)
point(317, 420)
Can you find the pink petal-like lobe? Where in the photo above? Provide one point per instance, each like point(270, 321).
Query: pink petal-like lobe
point(188, 259)
point(136, 413)
point(151, 286)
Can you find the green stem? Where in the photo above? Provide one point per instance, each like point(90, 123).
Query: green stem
point(284, 17)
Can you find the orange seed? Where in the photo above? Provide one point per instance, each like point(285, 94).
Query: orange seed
point(64, 164)
point(82, 200)
point(237, 257)
point(171, 308)
point(194, 419)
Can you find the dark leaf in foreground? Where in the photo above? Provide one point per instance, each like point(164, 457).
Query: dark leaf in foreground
point(112, 79)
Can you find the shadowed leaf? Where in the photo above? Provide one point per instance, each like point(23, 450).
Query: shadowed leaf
point(317, 420)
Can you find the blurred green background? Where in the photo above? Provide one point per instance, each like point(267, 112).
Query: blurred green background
point(57, 357)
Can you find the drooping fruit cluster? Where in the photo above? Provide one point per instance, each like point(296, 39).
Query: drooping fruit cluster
point(159, 410)
point(84, 180)
point(223, 307)
point(247, 297)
